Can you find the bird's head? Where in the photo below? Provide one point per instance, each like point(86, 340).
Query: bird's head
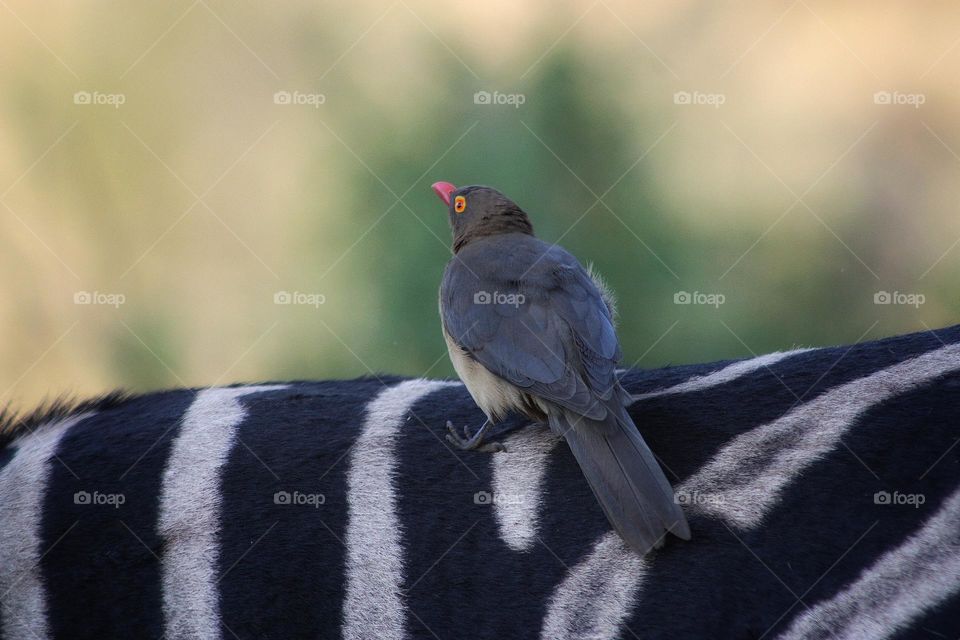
point(476, 211)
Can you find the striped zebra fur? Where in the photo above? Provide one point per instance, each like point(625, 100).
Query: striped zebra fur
point(336, 510)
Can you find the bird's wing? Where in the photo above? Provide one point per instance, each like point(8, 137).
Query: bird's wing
point(531, 314)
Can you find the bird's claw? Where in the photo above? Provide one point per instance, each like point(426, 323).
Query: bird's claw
point(471, 442)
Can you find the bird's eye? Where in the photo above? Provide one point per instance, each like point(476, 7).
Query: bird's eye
point(459, 204)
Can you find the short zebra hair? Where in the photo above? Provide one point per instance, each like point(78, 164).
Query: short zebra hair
point(821, 486)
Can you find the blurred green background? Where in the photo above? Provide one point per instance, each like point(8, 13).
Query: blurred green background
point(167, 170)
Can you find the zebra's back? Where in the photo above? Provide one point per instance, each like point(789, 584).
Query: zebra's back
point(821, 487)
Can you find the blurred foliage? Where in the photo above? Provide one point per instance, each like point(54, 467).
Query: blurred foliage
point(200, 197)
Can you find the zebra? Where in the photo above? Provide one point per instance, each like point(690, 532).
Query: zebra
point(822, 487)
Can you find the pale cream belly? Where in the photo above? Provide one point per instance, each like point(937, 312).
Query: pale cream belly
point(495, 396)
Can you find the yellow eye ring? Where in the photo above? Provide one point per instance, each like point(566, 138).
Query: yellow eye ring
point(459, 204)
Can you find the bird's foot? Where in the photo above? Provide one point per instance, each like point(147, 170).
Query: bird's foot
point(474, 442)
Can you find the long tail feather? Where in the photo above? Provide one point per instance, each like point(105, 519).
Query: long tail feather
point(625, 477)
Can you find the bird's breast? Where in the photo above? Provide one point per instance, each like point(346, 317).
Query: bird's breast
point(495, 396)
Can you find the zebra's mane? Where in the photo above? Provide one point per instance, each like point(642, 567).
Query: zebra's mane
point(14, 422)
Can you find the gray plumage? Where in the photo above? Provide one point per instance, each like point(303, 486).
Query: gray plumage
point(529, 330)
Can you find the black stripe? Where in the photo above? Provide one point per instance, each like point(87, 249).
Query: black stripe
point(833, 502)
point(101, 580)
point(820, 515)
point(289, 584)
point(708, 419)
point(474, 582)
point(103, 583)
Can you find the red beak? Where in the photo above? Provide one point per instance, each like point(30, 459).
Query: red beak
point(443, 190)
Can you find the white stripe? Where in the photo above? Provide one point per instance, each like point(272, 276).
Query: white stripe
point(727, 374)
point(518, 475)
point(594, 599)
point(373, 606)
point(190, 511)
point(903, 584)
point(598, 594)
point(23, 484)
point(581, 607)
point(745, 479)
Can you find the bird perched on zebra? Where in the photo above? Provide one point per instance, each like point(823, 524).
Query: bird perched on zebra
point(186, 513)
point(528, 329)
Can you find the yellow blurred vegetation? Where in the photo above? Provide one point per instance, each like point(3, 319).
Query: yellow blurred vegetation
point(199, 198)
